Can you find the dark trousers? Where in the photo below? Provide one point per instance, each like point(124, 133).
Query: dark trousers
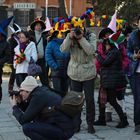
point(111, 98)
point(43, 131)
point(60, 84)
point(1, 72)
point(44, 75)
point(88, 88)
point(135, 86)
point(20, 77)
point(12, 78)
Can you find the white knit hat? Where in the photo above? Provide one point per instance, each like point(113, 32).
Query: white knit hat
point(29, 84)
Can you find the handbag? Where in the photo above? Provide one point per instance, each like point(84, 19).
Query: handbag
point(33, 68)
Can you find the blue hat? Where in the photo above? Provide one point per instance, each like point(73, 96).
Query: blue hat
point(4, 24)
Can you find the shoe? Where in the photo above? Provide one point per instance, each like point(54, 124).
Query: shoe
point(91, 129)
point(100, 123)
point(76, 130)
point(122, 124)
point(108, 116)
point(137, 128)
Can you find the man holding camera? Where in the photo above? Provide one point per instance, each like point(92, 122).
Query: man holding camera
point(38, 117)
point(81, 70)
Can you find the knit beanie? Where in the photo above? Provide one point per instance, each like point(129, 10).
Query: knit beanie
point(29, 84)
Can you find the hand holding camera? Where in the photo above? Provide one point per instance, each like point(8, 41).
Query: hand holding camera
point(136, 54)
point(15, 97)
point(76, 33)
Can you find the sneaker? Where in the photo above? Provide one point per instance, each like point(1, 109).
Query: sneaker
point(91, 129)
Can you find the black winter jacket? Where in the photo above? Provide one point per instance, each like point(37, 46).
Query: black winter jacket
point(4, 52)
point(40, 98)
point(112, 75)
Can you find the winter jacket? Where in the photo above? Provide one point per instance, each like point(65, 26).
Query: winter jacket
point(12, 43)
point(57, 60)
point(124, 58)
point(133, 44)
point(30, 51)
point(112, 75)
point(4, 52)
point(81, 66)
point(38, 99)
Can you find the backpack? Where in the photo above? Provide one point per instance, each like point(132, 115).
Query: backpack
point(72, 103)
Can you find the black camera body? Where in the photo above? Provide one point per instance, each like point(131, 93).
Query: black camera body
point(14, 92)
point(77, 30)
point(136, 49)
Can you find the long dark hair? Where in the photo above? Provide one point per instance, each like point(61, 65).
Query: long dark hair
point(112, 45)
point(54, 35)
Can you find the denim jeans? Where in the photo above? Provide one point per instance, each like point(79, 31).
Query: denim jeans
point(60, 84)
point(44, 131)
point(135, 86)
point(44, 75)
point(12, 78)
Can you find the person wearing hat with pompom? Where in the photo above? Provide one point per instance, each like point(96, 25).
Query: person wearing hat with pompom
point(39, 119)
point(82, 70)
point(37, 27)
point(112, 79)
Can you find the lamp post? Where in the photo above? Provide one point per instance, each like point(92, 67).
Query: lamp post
point(46, 2)
point(70, 7)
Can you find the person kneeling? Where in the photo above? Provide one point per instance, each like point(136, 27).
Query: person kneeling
point(36, 123)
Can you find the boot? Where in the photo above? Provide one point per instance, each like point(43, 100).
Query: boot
point(123, 123)
point(100, 122)
point(91, 129)
point(77, 129)
point(108, 116)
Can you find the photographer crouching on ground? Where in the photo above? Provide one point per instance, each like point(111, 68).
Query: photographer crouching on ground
point(39, 119)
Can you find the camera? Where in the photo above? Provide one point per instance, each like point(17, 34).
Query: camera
point(14, 92)
point(136, 49)
point(77, 30)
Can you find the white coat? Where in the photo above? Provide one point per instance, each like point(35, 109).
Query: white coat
point(29, 52)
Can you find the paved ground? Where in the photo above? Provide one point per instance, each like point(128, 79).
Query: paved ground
point(11, 130)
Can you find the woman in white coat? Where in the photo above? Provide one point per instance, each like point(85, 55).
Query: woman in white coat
point(23, 53)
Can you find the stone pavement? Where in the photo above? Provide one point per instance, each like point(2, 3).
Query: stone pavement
point(11, 130)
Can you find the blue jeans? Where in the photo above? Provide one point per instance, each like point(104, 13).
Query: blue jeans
point(44, 131)
point(60, 84)
point(135, 86)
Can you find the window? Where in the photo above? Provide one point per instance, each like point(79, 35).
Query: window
point(52, 12)
point(22, 18)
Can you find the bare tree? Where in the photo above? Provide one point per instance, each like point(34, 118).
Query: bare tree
point(62, 10)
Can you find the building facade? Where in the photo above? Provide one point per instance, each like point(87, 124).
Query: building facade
point(25, 11)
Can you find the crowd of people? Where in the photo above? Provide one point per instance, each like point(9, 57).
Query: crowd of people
point(75, 58)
